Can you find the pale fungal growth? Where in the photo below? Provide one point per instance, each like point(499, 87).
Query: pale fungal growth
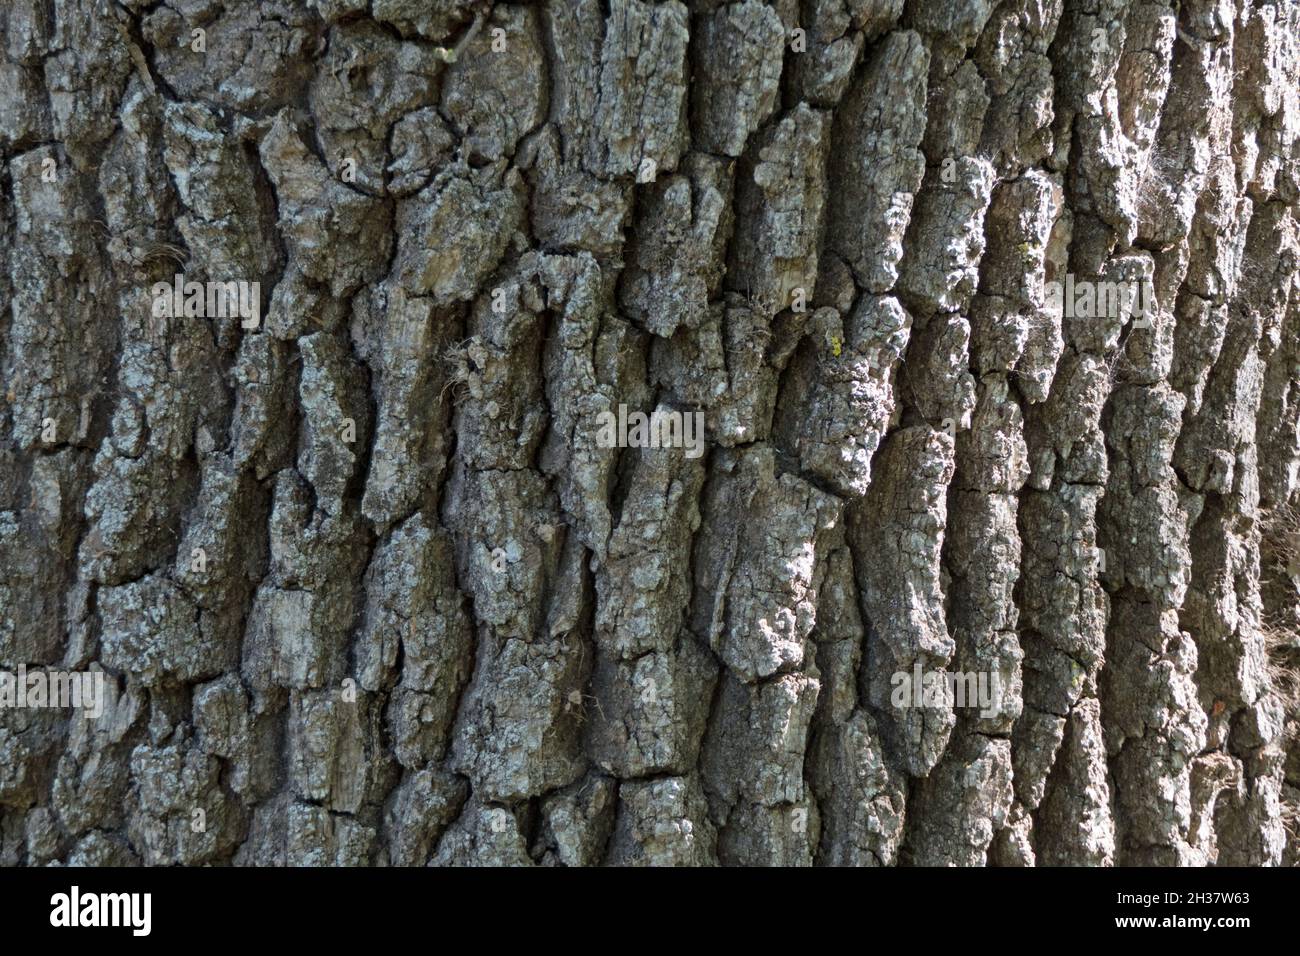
point(452, 55)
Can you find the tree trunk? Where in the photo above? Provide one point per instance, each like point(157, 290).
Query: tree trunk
point(966, 529)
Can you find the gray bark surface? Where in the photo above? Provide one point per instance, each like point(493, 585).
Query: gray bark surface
point(368, 590)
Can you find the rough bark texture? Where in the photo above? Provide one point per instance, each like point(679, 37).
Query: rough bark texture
point(368, 589)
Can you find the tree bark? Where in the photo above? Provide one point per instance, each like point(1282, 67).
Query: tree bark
point(367, 581)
